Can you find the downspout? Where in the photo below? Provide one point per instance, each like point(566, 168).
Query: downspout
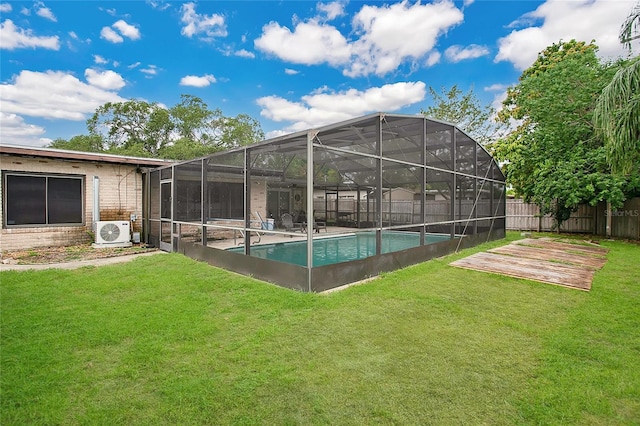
point(96, 202)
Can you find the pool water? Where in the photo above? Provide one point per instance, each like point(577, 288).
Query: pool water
point(327, 251)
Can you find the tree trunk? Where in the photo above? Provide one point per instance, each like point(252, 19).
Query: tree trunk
point(608, 228)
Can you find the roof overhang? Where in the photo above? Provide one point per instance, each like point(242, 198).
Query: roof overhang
point(61, 154)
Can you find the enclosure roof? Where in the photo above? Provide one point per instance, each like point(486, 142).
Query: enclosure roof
point(302, 134)
point(348, 141)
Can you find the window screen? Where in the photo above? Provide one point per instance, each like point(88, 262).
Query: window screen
point(64, 200)
point(226, 200)
point(43, 200)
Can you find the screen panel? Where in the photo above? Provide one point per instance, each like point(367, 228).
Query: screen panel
point(64, 200)
point(26, 198)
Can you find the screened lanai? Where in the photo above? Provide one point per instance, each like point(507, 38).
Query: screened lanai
point(329, 206)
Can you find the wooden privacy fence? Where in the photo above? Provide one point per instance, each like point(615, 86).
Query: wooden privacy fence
point(625, 221)
point(397, 212)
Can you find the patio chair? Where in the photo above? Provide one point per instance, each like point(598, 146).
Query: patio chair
point(289, 225)
point(317, 225)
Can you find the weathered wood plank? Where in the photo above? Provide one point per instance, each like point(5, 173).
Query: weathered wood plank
point(552, 244)
point(519, 250)
point(537, 270)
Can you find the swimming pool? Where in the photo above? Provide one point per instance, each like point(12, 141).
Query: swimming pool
point(341, 248)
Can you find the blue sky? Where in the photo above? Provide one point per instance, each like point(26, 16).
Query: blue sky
point(292, 65)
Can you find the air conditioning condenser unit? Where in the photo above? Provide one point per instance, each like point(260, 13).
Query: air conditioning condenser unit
point(112, 233)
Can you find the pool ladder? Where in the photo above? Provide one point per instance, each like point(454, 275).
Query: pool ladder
point(262, 225)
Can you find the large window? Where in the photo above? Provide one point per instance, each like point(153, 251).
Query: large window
point(43, 199)
point(226, 200)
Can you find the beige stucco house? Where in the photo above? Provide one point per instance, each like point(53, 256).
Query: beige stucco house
point(51, 197)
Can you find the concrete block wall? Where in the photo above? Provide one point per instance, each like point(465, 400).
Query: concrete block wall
point(120, 197)
point(259, 199)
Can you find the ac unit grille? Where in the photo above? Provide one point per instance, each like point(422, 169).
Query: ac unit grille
point(110, 232)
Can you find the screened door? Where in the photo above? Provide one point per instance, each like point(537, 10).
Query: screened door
point(165, 215)
point(278, 203)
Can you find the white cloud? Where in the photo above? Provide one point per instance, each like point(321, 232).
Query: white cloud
point(500, 96)
point(12, 37)
point(73, 37)
point(108, 34)
point(15, 131)
point(289, 71)
point(44, 12)
point(127, 30)
point(160, 5)
point(323, 106)
point(124, 29)
point(468, 2)
point(331, 10)
point(25, 11)
point(134, 65)
point(5, 8)
point(526, 20)
point(310, 43)
point(244, 54)
point(207, 27)
point(433, 58)
point(496, 87)
point(52, 94)
point(384, 37)
point(108, 80)
point(276, 133)
point(151, 70)
point(99, 60)
point(195, 81)
point(457, 53)
point(583, 20)
point(388, 34)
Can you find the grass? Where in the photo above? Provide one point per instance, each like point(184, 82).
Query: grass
point(167, 340)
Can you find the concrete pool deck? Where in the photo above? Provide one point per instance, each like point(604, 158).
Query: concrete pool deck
point(260, 237)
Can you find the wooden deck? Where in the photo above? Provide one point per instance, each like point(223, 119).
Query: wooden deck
point(550, 243)
point(545, 260)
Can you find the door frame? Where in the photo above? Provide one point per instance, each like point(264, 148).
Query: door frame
point(166, 215)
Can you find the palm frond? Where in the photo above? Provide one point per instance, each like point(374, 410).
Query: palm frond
point(617, 118)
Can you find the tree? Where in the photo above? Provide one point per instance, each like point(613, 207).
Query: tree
point(187, 130)
point(554, 157)
point(133, 127)
point(465, 111)
point(193, 120)
point(80, 143)
point(240, 130)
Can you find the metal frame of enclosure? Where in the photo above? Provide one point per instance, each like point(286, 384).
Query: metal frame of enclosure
point(380, 174)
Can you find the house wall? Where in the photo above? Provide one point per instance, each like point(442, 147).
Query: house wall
point(120, 197)
point(399, 194)
point(259, 198)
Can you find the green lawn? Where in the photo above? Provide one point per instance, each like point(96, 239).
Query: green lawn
point(167, 340)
